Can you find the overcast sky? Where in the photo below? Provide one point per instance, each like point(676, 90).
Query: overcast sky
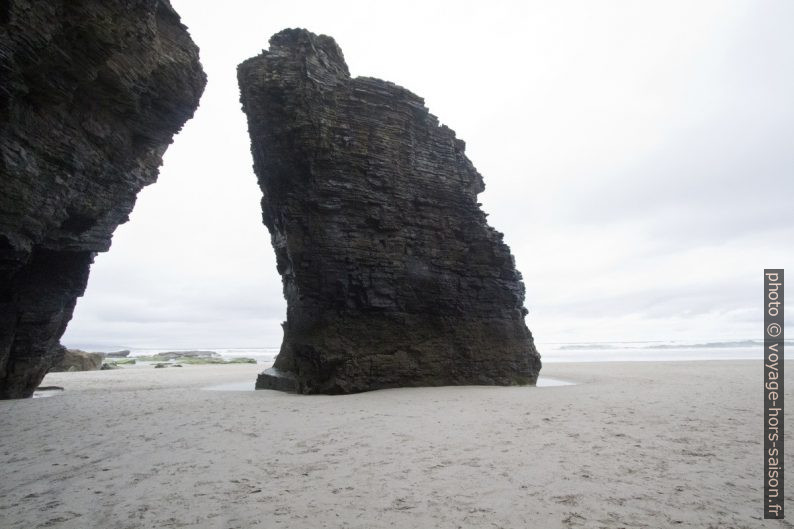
point(638, 156)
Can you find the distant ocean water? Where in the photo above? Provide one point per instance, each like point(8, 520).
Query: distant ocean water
point(652, 351)
point(566, 351)
point(263, 355)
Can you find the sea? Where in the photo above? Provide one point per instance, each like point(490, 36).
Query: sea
point(553, 352)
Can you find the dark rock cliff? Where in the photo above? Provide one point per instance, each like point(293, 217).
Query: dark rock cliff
point(91, 94)
point(391, 274)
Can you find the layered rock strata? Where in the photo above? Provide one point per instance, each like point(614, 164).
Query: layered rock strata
point(391, 273)
point(91, 94)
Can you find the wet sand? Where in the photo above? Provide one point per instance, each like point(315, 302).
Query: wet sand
point(632, 444)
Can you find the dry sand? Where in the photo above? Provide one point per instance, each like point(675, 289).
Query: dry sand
point(631, 445)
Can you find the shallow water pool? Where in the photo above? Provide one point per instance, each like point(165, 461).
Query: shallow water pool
point(248, 385)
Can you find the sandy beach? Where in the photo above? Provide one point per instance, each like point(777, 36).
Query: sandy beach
point(635, 444)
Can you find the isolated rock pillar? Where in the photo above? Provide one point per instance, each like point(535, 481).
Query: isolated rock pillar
point(391, 273)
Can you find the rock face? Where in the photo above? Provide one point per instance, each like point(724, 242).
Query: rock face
point(91, 94)
point(76, 360)
point(391, 274)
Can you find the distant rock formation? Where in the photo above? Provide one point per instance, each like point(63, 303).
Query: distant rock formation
point(118, 354)
point(391, 274)
point(178, 355)
point(76, 360)
point(91, 94)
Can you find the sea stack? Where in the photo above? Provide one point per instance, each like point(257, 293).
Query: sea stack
point(91, 95)
point(391, 273)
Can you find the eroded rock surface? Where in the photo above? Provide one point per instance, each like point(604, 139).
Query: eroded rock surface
point(76, 360)
point(91, 94)
point(391, 274)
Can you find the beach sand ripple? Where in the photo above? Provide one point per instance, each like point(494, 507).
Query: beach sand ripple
point(669, 444)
